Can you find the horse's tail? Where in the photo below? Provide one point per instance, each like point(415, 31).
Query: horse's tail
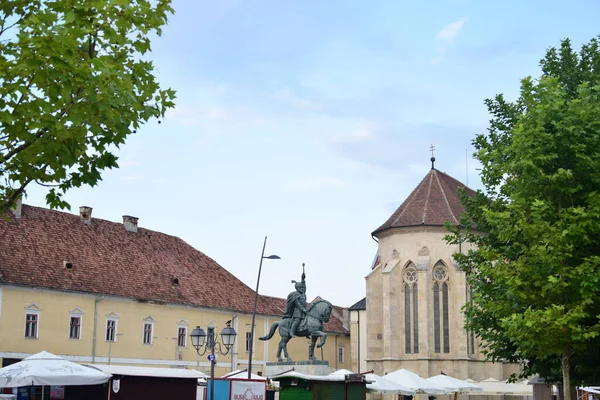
point(268, 336)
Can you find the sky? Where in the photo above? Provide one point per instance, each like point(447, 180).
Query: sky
point(310, 122)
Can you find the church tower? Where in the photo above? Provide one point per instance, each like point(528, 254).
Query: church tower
point(415, 290)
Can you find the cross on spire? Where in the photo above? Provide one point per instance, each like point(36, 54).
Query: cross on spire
point(432, 149)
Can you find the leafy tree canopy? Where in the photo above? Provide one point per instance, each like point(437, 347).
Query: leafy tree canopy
point(535, 272)
point(73, 84)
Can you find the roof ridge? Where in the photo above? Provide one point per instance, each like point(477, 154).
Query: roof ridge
point(408, 201)
point(424, 215)
point(76, 216)
point(445, 197)
point(425, 207)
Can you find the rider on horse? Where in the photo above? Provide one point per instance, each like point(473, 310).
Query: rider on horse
point(296, 305)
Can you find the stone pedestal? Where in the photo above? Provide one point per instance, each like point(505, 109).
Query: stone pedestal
point(316, 367)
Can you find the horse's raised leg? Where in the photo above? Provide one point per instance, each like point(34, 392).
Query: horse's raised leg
point(311, 349)
point(323, 337)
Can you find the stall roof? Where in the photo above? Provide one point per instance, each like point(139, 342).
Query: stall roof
point(298, 375)
point(243, 374)
point(151, 372)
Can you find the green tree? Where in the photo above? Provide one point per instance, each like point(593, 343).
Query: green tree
point(535, 270)
point(73, 86)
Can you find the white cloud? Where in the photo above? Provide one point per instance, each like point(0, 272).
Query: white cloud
point(216, 113)
point(313, 183)
point(446, 37)
point(360, 135)
point(288, 96)
point(188, 115)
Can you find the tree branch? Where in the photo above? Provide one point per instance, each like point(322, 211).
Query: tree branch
point(41, 132)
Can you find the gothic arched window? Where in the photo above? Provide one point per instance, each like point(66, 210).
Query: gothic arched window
point(411, 310)
point(441, 325)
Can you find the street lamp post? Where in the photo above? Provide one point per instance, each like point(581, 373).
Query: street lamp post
point(198, 337)
point(262, 257)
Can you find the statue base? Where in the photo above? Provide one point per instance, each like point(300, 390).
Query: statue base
point(316, 367)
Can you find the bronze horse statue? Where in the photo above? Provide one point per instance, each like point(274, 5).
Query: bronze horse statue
point(310, 327)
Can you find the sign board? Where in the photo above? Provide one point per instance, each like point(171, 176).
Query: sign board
point(248, 390)
point(212, 357)
point(116, 385)
point(354, 378)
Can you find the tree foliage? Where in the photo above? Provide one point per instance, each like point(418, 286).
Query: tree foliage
point(535, 270)
point(73, 85)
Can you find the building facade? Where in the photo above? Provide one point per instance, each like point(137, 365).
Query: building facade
point(96, 291)
point(415, 291)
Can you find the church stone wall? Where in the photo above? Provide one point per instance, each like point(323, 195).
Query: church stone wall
point(421, 248)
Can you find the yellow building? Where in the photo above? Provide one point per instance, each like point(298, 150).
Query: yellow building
point(96, 291)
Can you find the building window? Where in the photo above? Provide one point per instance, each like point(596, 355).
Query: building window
point(31, 325)
point(210, 336)
point(75, 323)
point(411, 310)
point(248, 341)
point(147, 333)
point(181, 336)
point(111, 330)
point(148, 330)
point(470, 333)
point(75, 328)
point(441, 319)
point(340, 354)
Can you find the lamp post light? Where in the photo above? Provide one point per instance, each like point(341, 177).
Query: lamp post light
point(262, 257)
point(201, 341)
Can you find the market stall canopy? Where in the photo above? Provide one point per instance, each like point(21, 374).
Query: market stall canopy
point(243, 374)
point(322, 378)
point(149, 371)
point(47, 369)
point(454, 385)
point(494, 387)
point(414, 382)
point(381, 385)
point(342, 372)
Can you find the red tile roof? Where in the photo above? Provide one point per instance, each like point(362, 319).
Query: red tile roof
point(432, 203)
point(107, 259)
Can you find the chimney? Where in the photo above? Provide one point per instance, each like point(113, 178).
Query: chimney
point(130, 223)
point(85, 213)
point(17, 207)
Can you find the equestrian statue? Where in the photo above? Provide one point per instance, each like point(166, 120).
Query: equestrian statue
point(301, 321)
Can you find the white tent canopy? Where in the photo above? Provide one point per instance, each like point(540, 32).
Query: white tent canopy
point(243, 374)
point(414, 382)
point(454, 385)
point(494, 387)
point(342, 372)
point(46, 369)
point(384, 386)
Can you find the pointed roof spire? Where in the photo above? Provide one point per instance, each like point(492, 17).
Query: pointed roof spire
point(433, 202)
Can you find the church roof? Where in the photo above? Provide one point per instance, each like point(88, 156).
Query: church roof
point(433, 202)
point(359, 305)
point(105, 258)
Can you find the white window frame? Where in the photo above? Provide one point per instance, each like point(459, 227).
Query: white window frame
point(248, 339)
point(341, 352)
point(182, 325)
point(32, 309)
point(75, 313)
point(115, 318)
point(148, 321)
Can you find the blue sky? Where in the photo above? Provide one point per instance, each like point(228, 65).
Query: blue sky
point(310, 122)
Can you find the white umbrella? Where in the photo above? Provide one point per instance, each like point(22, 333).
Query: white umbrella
point(342, 372)
point(46, 369)
point(384, 386)
point(454, 385)
point(414, 382)
point(494, 387)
